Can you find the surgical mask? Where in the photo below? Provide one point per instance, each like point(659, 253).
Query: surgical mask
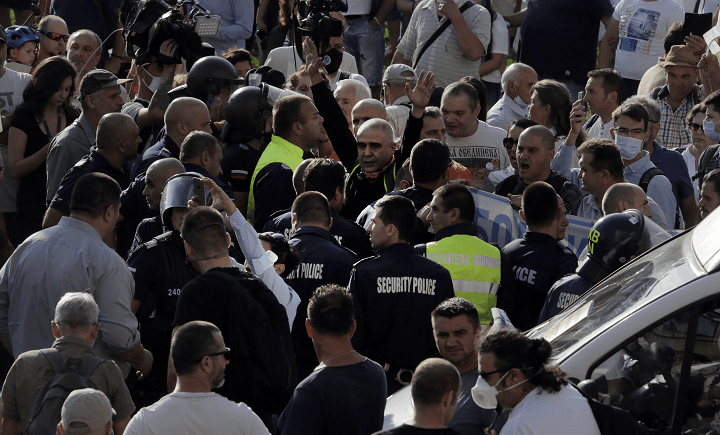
point(629, 146)
point(709, 129)
point(485, 396)
point(154, 84)
point(332, 60)
point(521, 103)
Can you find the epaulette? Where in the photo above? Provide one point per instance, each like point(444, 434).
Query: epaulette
point(158, 239)
point(365, 259)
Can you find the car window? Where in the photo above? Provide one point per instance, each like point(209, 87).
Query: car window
point(647, 278)
point(644, 376)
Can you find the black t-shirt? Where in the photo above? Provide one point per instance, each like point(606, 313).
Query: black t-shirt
point(406, 429)
point(31, 189)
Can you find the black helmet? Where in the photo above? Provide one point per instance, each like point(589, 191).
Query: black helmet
point(209, 75)
point(270, 76)
point(613, 241)
point(176, 193)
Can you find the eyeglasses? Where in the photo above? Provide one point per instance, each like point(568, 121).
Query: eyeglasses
point(225, 353)
point(626, 132)
point(695, 127)
point(509, 142)
point(485, 375)
point(55, 36)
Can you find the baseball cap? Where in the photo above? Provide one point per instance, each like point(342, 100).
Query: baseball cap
point(98, 79)
point(399, 71)
point(85, 410)
point(679, 55)
point(3, 35)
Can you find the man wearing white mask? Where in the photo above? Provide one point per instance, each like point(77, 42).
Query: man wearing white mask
point(155, 74)
point(517, 82)
point(630, 132)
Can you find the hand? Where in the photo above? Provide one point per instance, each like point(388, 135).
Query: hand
point(221, 200)
point(261, 25)
point(313, 63)
point(709, 64)
point(479, 177)
point(420, 95)
point(696, 43)
point(515, 201)
point(373, 24)
point(167, 52)
point(577, 117)
point(112, 64)
point(146, 364)
point(424, 215)
point(448, 9)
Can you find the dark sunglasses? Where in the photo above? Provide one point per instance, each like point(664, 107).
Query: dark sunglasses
point(695, 127)
point(485, 375)
point(55, 36)
point(225, 353)
point(509, 142)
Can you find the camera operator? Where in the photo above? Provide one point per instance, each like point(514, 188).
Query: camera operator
point(236, 24)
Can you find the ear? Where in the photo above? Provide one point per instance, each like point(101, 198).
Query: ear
point(331, 222)
point(181, 128)
point(189, 249)
point(293, 219)
point(109, 211)
point(522, 215)
point(448, 399)
point(612, 96)
point(622, 206)
point(297, 128)
point(228, 240)
point(454, 214)
point(94, 331)
point(309, 329)
point(353, 328)
point(391, 230)
point(90, 101)
point(656, 129)
point(55, 329)
point(205, 158)
point(404, 184)
point(511, 91)
point(338, 194)
point(476, 112)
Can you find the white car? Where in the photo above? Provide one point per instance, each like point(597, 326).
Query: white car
point(648, 335)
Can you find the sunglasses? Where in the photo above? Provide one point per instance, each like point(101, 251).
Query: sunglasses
point(485, 375)
point(695, 127)
point(225, 353)
point(55, 36)
point(509, 142)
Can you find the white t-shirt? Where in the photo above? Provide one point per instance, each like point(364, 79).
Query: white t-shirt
point(483, 146)
point(500, 44)
point(287, 61)
point(196, 413)
point(565, 412)
point(690, 162)
point(643, 26)
point(12, 85)
point(599, 130)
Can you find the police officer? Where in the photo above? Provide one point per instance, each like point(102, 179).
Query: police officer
point(538, 260)
point(615, 240)
point(202, 153)
point(394, 293)
point(323, 261)
point(160, 272)
point(327, 176)
point(480, 272)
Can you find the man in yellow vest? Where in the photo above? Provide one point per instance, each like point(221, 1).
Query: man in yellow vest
point(476, 267)
point(297, 125)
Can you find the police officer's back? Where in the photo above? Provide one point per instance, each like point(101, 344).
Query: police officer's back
point(323, 261)
point(394, 293)
point(537, 258)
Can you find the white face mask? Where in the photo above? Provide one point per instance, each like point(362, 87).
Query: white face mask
point(485, 396)
point(520, 102)
point(629, 146)
point(709, 129)
point(154, 84)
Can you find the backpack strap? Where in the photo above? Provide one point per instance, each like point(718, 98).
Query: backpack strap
point(54, 358)
point(590, 122)
point(705, 159)
point(439, 32)
point(647, 177)
point(576, 206)
point(89, 365)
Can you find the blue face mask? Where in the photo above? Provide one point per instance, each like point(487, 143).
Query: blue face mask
point(709, 129)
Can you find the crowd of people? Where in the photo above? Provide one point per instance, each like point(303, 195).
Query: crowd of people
point(276, 239)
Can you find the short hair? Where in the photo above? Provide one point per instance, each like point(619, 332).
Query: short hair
point(453, 307)
point(204, 229)
point(86, 32)
point(49, 19)
point(651, 105)
point(674, 36)
point(512, 74)
point(481, 93)
point(457, 196)
point(432, 379)
point(539, 204)
point(404, 174)
point(429, 160)
point(698, 108)
point(555, 94)
point(286, 253)
point(330, 310)
point(634, 111)
point(190, 344)
point(312, 207)
point(76, 311)
point(522, 123)
point(182, 109)
point(399, 211)
point(612, 81)
point(462, 88)
point(112, 129)
point(377, 124)
point(616, 193)
point(713, 100)
point(196, 143)
point(543, 133)
point(325, 176)
point(512, 349)
point(298, 178)
point(361, 90)
point(235, 55)
point(286, 112)
point(714, 178)
point(93, 194)
point(605, 156)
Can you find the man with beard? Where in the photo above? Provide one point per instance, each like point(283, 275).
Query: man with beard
point(199, 355)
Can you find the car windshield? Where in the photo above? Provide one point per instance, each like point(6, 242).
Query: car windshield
point(647, 278)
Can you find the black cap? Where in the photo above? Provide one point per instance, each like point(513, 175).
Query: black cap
point(98, 79)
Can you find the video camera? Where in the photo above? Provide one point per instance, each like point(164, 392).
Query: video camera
point(318, 24)
point(148, 23)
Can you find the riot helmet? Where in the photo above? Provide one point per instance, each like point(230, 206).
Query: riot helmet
point(176, 193)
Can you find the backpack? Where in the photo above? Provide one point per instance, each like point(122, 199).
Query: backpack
point(259, 335)
point(705, 159)
point(645, 182)
point(70, 375)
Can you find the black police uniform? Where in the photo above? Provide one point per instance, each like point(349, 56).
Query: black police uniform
point(146, 230)
point(567, 190)
point(324, 261)
point(238, 164)
point(160, 273)
point(349, 234)
point(165, 147)
point(394, 293)
point(563, 293)
point(224, 185)
point(134, 208)
point(538, 261)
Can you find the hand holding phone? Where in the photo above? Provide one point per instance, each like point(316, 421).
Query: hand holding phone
point(199, 192)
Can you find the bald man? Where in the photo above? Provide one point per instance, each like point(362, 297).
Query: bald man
point(183, 116)
point(117, 141)
point(366, 110)
point(83, 53)
point(517, 82)
point(535, 151)
point(51, 47)
point(623, 196)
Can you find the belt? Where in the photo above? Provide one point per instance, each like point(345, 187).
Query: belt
point(357, 17)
